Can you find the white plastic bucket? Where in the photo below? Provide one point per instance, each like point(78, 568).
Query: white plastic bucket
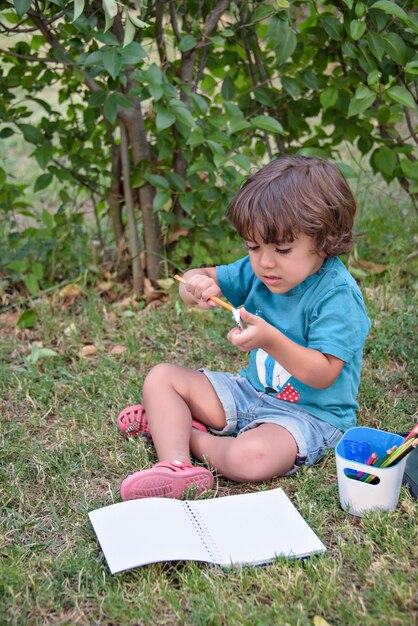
point(351, 453)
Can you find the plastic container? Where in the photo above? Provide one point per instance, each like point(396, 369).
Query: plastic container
point(351, 453)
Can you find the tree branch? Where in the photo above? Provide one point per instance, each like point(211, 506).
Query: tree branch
point(56, 45)
point(26, 57)
point(159, 34)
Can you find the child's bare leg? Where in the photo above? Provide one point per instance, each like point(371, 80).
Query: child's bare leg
point(171, 396)
point(256, 455)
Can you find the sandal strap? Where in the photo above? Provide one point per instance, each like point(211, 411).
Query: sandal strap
point(174, 465)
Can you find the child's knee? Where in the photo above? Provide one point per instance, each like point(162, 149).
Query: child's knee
point(158, 378)
point(251, 462)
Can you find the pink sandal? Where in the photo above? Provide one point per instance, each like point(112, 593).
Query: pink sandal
point(132, 422)
point(157, 482)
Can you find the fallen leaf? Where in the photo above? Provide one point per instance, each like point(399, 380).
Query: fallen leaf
point(128, 303)
point(105, 285)
point(88, 351)
point(320, 621)
point(118, 349)
point(70, 292)
point(155, 304)
point(370, 266)
point(9, 319)
point(69, 330)
point(180, 232)
point(165, 283)
point(150, 292)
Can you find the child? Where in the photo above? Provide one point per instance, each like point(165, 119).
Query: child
point(304, 328)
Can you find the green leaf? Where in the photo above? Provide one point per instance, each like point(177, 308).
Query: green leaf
point(410, 168)
point(410, 68)
point(175, 180)
point(112, 62)
point(268, 123)
point(385, 160)
point(183, 114)
point(28, 319)
point(287, 42)
point(6, 132)
point(357, 106)
point(39, 353)
point(187, 43)
point(333, 27)
point(162, 201)
point(157, 181)
point(22, 6)
point(78, 8)
point(291, 86)
point(242, 161)
point(110, 108)
point(396, 48)
point(228, 88)
point(18, 266)
point(110, 8)
point(402, 95)
point(43, 181)
point(31, 133)
point(47, 219)
point(328, 98)
point(129, 33)
point(357, 29)
point(346, 170)
point(97, 99)
point(43, 154)
point(238, 123)
point(136, 21)
point(133, 53)
point(164, 119)
point(391, 8)
point(31, 283)
point(376, 45)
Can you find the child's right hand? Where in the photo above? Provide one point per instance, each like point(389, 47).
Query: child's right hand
point(200, 288)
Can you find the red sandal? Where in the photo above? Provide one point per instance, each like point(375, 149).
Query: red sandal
point(158, 482)
point(133, 423)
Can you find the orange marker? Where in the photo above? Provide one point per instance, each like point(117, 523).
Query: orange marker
point(226, 305)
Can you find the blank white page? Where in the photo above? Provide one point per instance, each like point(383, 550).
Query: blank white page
point(138, 532)
point(256, 527)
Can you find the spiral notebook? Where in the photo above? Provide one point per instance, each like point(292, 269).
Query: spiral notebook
point(247, 529)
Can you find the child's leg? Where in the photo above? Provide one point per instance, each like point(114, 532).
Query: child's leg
point(256, 455)
point(171, 395)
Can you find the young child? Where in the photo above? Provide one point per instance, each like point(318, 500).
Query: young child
point(304, 326)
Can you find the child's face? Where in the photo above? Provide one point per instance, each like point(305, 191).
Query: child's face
point(284, 266)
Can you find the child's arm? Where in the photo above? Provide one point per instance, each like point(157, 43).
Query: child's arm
point(309, 366)
point(201, 285)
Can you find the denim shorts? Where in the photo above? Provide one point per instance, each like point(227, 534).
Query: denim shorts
point(246, 408)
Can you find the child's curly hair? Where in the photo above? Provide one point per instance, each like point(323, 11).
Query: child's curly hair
point(296, 194)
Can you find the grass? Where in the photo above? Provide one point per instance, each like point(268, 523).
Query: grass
point(62, 457)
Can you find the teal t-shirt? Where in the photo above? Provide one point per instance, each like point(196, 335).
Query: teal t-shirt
point(325, 312)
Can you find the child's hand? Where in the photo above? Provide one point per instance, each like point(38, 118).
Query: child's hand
point(254, 335)
point(201, 288)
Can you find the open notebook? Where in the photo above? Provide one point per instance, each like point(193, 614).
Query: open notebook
point(248, 529)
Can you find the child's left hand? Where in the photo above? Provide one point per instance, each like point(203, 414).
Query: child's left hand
point(254, 335)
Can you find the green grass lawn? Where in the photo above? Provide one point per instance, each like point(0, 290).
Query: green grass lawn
point(62, 456)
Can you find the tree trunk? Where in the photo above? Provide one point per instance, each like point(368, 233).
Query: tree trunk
point(137, 273)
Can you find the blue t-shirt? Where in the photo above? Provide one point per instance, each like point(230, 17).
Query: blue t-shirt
point(325, 312)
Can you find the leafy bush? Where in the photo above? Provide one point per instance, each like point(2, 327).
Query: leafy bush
point(163, 112)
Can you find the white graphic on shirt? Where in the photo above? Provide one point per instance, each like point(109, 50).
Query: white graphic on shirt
point(270, 372)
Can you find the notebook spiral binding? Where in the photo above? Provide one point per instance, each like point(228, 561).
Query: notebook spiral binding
point(203, 532)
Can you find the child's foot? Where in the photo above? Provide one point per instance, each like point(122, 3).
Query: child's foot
point(132, 422)
point(167, 479)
